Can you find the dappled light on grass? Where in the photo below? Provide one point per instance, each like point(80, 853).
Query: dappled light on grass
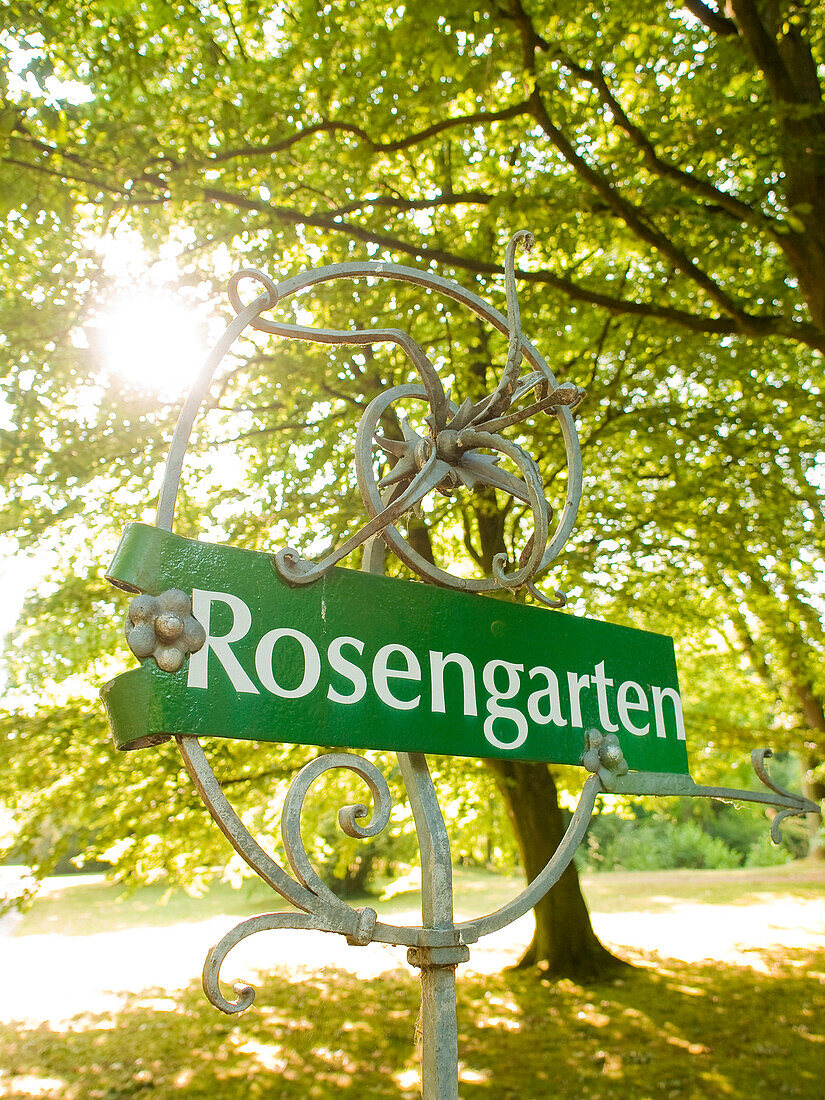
point(330, 1018)
point(34, 1086)
point(667, 1030)
point(300, 1050)
point(699, 931)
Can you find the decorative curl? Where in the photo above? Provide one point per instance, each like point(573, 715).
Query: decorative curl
point(758, 758)
point(256, 276)
point(450, 454)
point(245, 994)
point(293, 805)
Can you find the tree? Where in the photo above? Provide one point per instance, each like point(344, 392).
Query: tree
point(670, 165)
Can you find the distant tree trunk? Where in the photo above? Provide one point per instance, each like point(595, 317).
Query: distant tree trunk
point(564, 943)
point(814, 714)
point(790, 677)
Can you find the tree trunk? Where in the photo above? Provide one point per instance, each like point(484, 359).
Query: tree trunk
point(814, 714)
point(784, 55)
point(564, 944)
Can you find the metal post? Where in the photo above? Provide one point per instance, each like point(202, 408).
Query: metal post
point(452, 452)
point(439, 1024)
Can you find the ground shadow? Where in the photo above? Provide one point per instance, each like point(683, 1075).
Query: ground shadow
point(667, 1029)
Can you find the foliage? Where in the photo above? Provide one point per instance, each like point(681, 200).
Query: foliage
point(173, 841)
point(670, 163)
point(763, 853)
point(657, 845)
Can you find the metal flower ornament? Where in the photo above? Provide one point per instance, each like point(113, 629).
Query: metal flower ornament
point(234, 643)
point(453, 453)
point(163, 627)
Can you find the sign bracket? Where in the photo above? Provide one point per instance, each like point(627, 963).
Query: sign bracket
point(170, 629)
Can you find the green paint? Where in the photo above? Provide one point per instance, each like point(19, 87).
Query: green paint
point(326, 676)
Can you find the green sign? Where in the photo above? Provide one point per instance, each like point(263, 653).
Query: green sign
point(362, 661)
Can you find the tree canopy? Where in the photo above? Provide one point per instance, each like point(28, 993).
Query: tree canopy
point(671, 165)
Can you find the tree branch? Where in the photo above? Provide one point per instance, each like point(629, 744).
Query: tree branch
point(712, 18)
point(391, 202)
point(742, 324)
point(531, 40)
point(594, 76)
point(739, 322)
point(633, 217)
point(269, 773)
point(731, 205)
point(763, 48)
point(331, 126)
point(44, 170)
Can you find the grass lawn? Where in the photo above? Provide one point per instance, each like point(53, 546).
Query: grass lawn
point(751, 1024)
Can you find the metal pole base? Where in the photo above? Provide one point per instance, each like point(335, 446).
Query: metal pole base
point(439, 1027)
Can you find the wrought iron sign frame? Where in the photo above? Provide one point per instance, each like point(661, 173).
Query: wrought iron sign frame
point(453, 451)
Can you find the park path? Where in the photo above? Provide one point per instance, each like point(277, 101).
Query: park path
point(53, 977)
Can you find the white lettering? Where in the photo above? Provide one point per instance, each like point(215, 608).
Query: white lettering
point(198, 677)
point(438, 662)
point(382, 673)
point(602, 683)
point(263, 663)
point(551, 693)
point(292, 673)
point(668, 693)
point(625, 706)
point(576, 683)
point(495, 710)
point(348, 670)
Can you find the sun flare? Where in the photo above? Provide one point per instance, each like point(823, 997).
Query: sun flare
point(152, 341)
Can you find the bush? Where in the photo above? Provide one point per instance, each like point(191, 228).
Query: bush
point(660, 845)
point(764, 853)
point(738, 827)
point(690, 846)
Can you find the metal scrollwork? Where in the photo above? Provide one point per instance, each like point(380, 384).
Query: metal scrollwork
point(452, 453)
point(325, 911)
point(801, 805)
point(245, 994)
point(459, 447)
point(348, 817)
point(656, 783)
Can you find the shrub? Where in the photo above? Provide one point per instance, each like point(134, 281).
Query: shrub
point(690, 846)
point(661, 845)
point(764, 853)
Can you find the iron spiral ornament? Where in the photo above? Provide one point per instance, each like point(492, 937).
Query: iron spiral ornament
point(452, 446)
